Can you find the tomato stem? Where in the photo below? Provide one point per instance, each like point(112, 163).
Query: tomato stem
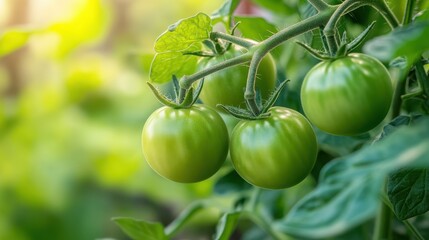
point(408, 14)
point(383, 223)
point(272, 42)
point(330, 28)
point(410, 227)
point(186, 81)
point(233, 39)
point(413, 230)
point(421, 77)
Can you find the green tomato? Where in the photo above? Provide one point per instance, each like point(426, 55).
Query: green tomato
point(228, 85)
point(274, 152)
point(185, 145)
point(348, 95)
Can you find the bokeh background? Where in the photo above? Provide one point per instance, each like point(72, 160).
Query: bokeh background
point(73, 101)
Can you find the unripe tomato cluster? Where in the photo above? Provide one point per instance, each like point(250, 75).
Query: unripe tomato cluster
point(345, 96)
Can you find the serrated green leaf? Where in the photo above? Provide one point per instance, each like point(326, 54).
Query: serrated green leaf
point(226, 225)
point(141, 230)
point(173, 46)
point(358, 201)
point(349, 187)
point(165, 65)
point(408, 191)
point(409, 41)
point(13, 39)
point(182, 35)
point(255, 28)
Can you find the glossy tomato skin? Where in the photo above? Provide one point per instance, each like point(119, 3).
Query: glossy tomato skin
point(185, 145)
point(228, 85)
point(347, 96)
point(275, 152)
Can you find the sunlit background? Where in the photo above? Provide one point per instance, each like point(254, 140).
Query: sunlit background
point(73, 101)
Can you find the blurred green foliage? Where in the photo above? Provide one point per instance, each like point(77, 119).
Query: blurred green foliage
point(73, 100)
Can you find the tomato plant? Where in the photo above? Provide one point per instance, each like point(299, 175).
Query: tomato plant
point(346, 96)
point(185, 145)
point(275, 152)
point(365, 165)
point(235, 78)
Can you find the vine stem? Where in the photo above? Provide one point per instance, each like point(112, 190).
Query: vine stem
point(413, 230)
point(397, 96)
point(233, 39)
point(186, 81)
point(421, 77)
point(383, 223)
point(408, 12)
point(330, 30)
point(410, 227)
point(272, 42)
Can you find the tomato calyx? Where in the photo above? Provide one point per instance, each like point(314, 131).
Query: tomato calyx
point(345, 47)
point(246, 114)
point(190, 96)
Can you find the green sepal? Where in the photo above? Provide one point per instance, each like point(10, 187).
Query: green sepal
point(341, 51)
point(176, 86)
point(344, 38)
point(274, 96)
point(242, 114)
point(323, 37)
point(314, 52)
point(210, 45)
point(161, 97)
point(189, 98)
point(229, 44)
point(359, 39)
point(197, 92)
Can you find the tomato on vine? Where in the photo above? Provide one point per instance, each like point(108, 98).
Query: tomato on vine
point(348, 95)
point(274, 152)
point(185, 144)
point(227, 86)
